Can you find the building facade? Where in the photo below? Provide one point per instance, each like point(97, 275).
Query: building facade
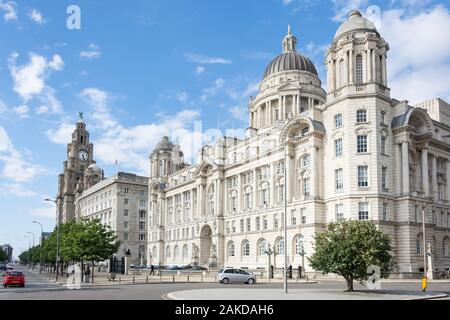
point(349, 152)
point(80, 172)
point(120, 202)
point(8, 250)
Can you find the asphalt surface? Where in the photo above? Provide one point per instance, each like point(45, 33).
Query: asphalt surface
point(39, 288)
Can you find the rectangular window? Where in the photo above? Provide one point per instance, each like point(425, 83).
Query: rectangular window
point(275, 221)
point(257, 223)
point(306, 187)
point(142, 203)
point(125, 212)
point(339, 177)
point(363, 178)
point(241, 225)
point(338, 121)
point(125, 225)
point(248, 225)
point(141, 225)
point(142, 214)
point(142, 237)
point(363, 212)
point(338, 147)
point(125, 236)
point(265, 222)
point(385, 211)
point(361, 116)
point(126, 190)
point(293, 218)
point(383, 145)
point(228, 227)
point(125, 201)
point(339, 211)
point(233, 227)
point(361, 144)
point(416, 213)
point(264, 195)
point(384, 178)
point(383, 117)
point(248, 199)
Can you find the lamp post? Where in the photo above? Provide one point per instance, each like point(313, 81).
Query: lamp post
point(57, 235)
point(29, 248)
point(269, 252)
point(424, 286)
point(285, 282)
point(40, 245)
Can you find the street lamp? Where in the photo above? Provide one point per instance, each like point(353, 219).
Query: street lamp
point(285, 221)
point(269, 252)
point(40, 245)
point(57, 235)
point(424, 247)
point(32, 235)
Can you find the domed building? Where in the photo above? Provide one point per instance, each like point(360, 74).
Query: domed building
point(312, 156)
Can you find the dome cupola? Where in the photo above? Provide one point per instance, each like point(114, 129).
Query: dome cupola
point(355, 22)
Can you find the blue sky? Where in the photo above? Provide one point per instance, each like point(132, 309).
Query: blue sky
point(143, 69)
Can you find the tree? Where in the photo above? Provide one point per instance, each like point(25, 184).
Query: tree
point(3, 255)
point(348, 248)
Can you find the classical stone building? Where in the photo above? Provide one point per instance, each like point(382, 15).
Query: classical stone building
point(350, 152)
point(80, 172)
point(120, 202)
point(8, 250)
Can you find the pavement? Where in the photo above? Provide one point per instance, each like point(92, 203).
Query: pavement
point(300, 294)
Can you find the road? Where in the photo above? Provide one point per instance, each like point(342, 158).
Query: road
point(38, 288)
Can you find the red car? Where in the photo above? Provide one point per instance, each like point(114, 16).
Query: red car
point(15, 278)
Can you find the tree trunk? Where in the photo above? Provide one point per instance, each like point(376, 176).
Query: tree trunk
point(92, 278)
point(349, 281)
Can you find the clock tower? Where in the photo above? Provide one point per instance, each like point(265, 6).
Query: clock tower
point(79, 158)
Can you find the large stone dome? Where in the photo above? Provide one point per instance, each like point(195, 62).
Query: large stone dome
point(164, 144)
point(355, 22)
point(290, 61)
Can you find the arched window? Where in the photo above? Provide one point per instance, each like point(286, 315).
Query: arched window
point(359, 69)
point(341, 73)
point(161, 167)
point(281, 246)
point(154, 252)
point(168, 252)
point(185, 251)
point(245, 248)
point(231, 249)
point(299, 245)
point(262, 247)
point(445, 246)
point(361, 116)
point(175, 252)
point(211, 200)
point(235, 157)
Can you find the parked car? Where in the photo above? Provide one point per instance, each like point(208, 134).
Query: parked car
point(232, 275)
point(199, 268)
point(9, 267)
point(2, 267)
point(13, 278)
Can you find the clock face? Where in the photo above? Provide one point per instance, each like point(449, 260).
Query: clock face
point(83, 155)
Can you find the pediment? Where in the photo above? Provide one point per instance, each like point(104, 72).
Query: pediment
point(207, 162)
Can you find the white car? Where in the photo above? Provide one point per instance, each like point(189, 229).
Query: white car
point(232, 275)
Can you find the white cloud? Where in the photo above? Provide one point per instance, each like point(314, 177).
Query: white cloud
point(29, 79)
point(286, 2)
point(418, 66)
point(343, 7)
point(42, 109)
point(199, 70)
point(182, 96)
point(93, 52)
point(239, 113)
point(36, 16)
point(16, 190)
point(212, 91)
point(10, 9)
point(202, 59)
point(3, 107)
point(21, 111)
point(15, 167)
point(62, 135)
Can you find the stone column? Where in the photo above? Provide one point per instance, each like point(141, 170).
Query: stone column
point(425, 182)
point(405, 167)
point(364, 67)
point(374, 66)
point(346, 69)
point(384, 69)
point(200, 201)
point(272, 191)
point(398, 164)
point(255, 189)
point(369, 65)
point(239, 193)
point(333, 75)
point(351, 67)
point(434, 177)
point(329, 79)
point(447, 187)
point(314, 172)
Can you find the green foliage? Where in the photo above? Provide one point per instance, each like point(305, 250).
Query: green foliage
point(348, 248)
point(3, 255)
point(83, 240)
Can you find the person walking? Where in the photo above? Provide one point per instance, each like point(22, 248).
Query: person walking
point(299, 272)
point(152, 270)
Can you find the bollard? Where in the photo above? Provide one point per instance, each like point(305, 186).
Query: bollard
point(173, 278)
point(146, 279)
point(133, 280)
point(120, 280)
point(201, 277)
point(188, 278)
point(160, 277)
point(306, 278)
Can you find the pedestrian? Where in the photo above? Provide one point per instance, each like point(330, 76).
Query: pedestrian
point(271, 271)
point(299, 272)
point(152, 270)
point(290, 271)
